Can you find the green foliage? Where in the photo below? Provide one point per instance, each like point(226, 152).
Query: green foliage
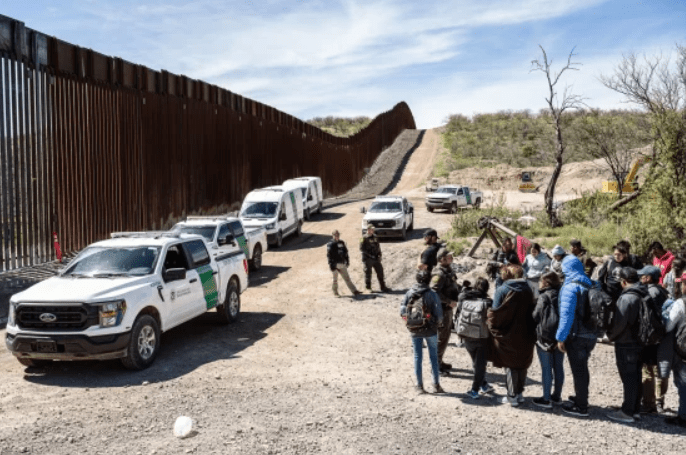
point(340, 126)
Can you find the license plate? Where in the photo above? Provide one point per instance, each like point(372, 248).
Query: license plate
point(46, 346)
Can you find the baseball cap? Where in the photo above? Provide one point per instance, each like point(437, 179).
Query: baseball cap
point(431, 233)
point(682, 278)
point(651, 270)
point(443, 252)
point(629, 274)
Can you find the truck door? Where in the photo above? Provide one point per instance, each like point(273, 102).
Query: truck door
point(288, 207)
point(239, 237)
point(179, 294)
point(206, 296)
point(467, 196)
point(461, 200)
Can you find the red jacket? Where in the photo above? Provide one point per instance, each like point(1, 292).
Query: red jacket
point(664, 263)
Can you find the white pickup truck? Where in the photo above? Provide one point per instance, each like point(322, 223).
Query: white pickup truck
point(226, 235)
point(452, 197)
point(391, 216)
point(117, 296)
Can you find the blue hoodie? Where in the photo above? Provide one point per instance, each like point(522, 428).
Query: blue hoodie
point(573, 270)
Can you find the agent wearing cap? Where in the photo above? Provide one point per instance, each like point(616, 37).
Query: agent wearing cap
point(339, 261)
point(428, 259)
point(371, 257)
point(624, 333)
point(577, 249)
point(444, 283)
point(654, 384)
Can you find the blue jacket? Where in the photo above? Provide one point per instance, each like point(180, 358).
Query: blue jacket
point(573, 270)
point(510, 285)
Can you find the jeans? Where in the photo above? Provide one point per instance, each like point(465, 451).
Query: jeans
point(552, 363)
point(578, 352)
point(432, 344)
point(444, 332)
point(476, 347)
point(515, 381)
point(628, 357)
point(679, 369)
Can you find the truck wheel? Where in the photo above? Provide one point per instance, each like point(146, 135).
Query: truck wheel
point(299, 230)
point(430, 209)
point(34, 362)
point(319, 208)
point(307, 214)
point(228, 311)
point(477, 204)
point(403, 233)
point(411, 226)
point(279, 239)
point(453, 208)
point(256, 261)
point(144, 344)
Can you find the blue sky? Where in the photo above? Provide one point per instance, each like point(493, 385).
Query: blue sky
point(349, 58)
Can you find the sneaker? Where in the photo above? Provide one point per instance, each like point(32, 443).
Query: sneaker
point(511, 401)
point(520, 398)
point(542, 403)
point(648, 410)
point(473, 394)
point(572, 398)
point(386, 289)
point(619, 416)
point(368, 289)
point(438, 389)
point(336, 294)
point(486, 388)
point(419, 389)
point(678, 421)
point(637, 416)
point(556, 401)
point(574, 410)
point(660, 408)
point(356, 292)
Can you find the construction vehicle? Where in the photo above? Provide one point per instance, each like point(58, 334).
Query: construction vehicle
point(630, 181)
point(433, 185)
point(527, 185)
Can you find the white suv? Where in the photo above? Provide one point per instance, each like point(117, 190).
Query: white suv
point(391, 216)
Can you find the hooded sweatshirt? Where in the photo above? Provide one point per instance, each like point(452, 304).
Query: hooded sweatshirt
point(510, 285)
point(572, 292)
point(432, 303)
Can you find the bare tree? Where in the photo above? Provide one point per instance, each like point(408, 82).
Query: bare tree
point(557, 105)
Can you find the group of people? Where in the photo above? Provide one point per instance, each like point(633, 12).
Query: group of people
point(547, 305)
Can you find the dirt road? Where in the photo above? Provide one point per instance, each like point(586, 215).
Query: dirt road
point(303, 372)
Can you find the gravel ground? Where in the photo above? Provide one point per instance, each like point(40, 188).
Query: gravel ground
point(303, 372)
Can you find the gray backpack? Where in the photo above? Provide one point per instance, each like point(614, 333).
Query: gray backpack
point(472, 320)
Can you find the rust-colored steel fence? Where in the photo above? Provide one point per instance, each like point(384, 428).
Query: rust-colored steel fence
point(91, 144)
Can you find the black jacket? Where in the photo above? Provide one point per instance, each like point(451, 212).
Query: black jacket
point(608, 275)
point(337, 253)
point(370, 248)
point(500, 258)
point(444, 283)
point(546, 296)
point(625, 319)
point(429, 256)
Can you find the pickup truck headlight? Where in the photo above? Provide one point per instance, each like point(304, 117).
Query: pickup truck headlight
point(399, 222)
point(112, 313)
point(12, 314)
point(270, 226)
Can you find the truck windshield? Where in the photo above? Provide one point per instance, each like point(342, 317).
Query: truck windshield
point(447, 190)
point(99, 262)
point(260, 210)
point(205, 231)
point(385, 207)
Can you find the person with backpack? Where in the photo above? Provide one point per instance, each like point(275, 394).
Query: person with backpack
point(662, 258)
point(675, 325)
point(624, 332)
point(472, 309)
point(608, 275)
point(513, 331)
point(576, 335)
point(547, 318)
point(535, 265)
point(444, 283)
point(421, 311)
point(654, 384)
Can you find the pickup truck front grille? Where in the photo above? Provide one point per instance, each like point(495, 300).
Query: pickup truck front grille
point(57, 317)
point(436, 201)
point(383, 224)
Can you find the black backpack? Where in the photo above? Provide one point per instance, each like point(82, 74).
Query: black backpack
point(680, 339)
point(597, 308)
point(649, 329)
point(417, 315)
point(546, 330)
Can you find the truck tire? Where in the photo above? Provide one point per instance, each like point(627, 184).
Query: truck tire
point(319, 207)
point(34, 362)
point(411, 226)
point(307, 214)
point(403, 233)
point(144, 344)
point(477, 204)
point(453, 208)
point(229, 310)
point(299, 230)
point(256, 261)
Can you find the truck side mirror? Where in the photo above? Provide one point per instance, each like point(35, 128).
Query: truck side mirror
point(174, 275)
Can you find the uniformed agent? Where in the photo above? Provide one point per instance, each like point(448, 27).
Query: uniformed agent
point(337, 255)
point(428, 260)
point(371, 257)
point(444, 283)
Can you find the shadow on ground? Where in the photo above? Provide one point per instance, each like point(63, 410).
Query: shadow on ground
point(266, 274)
point(183, 349)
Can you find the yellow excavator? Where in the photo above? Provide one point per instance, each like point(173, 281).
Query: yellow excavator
point(630, 181)
point(527, 184)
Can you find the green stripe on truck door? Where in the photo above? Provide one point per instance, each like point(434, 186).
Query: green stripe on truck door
point(209, 286)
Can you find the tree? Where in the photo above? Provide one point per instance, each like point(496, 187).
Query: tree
point(611, 138)
point(660, 88)
point(557, 106)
